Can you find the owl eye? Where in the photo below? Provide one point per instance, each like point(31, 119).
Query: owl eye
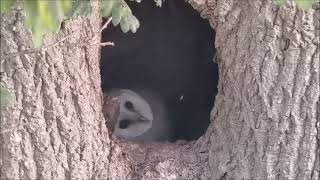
point(124, 123)
point(129, 105)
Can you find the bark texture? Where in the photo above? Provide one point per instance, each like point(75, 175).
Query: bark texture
point(265, 123)
point(55, 129)
point(266, 118)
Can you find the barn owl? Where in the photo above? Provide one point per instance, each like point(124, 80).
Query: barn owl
point(139, 116)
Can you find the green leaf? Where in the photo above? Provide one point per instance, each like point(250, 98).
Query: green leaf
point(280, 2)
point(125, 23)
point(117, 12)
point(121, 14)
point(106, 8)
point(59, 9)
point(305, 4)
point(66, 6)
point(38, 19)
point(79, 8)
point(134, 24)
point(43, 16)
point(5, 5)
point(6, 97)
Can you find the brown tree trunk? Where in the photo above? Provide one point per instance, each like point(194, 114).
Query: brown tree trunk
point(266, 118)
point(55, 129)
point(265, 123)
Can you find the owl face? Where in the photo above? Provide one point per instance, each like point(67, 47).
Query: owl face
point(134, 117)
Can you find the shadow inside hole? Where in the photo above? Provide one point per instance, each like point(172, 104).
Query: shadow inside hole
point(172, 54)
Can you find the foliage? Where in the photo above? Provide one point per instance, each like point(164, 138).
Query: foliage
point(120, 13)
point(5, 5)
point(43, 16)
point(302, 4)
point(6, 97)
point(306, 4)
point(280, 2)
point(79, 8)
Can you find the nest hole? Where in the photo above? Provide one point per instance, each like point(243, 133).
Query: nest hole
point(172, 54)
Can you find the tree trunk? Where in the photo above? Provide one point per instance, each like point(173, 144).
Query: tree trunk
point(55, 129)
point(265, 123)
point(266, 118)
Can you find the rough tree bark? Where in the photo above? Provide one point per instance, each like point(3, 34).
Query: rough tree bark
point(265, 123)
point(266, 119)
